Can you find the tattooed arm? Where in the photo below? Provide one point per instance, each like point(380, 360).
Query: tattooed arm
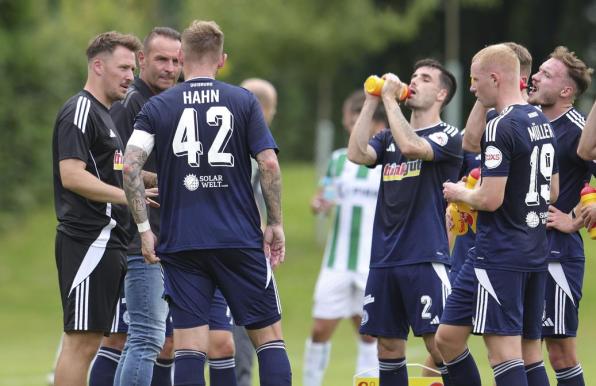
point(409, 143)
point(270, 178)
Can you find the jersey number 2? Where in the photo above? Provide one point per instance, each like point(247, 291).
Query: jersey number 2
point(186, 139)
point(541, 159)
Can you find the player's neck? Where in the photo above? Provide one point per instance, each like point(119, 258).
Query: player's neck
point(554, 111)
point(509, 97)
point(199, 71)
point(424, 118)
point(98, 93)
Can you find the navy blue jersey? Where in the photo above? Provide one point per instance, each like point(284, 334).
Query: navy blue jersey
point(573, 173)
point(409, 225)
point(518, 144)
point(205, 133)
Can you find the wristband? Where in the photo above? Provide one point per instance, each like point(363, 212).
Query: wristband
point(144, 226)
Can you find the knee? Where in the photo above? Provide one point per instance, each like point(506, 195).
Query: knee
point(320, 333)
point(222, 347)
point(442, 341)
point(391, 348)
point(560, 355)
point(115, 341)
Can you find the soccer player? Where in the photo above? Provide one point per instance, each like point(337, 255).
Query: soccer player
point(339, 292)
point(407, 282)
point(499, 291)
point(90, 206)
point(205, 132)
point(267, 97)
point(556, 85)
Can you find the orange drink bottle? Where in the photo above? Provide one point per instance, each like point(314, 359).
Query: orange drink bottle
point(588, 197)
point(374, 84)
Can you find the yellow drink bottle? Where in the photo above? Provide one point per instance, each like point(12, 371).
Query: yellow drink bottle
point(374, 84)
point(588, 197)
point(462, 215)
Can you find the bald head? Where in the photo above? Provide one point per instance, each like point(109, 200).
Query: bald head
point(265, 93)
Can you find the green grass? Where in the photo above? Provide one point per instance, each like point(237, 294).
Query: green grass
point(30, 312)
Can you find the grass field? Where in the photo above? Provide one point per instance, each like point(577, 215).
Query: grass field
point(30, 313)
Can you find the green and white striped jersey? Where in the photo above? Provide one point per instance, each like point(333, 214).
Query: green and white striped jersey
point(354, 189)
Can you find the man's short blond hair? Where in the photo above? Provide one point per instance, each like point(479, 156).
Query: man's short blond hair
point(524, 56)
point(203, 40)
point(577, 70)
point(499, 58)
point(263, 90)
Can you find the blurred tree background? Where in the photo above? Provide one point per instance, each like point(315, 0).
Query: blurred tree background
point(315, 52)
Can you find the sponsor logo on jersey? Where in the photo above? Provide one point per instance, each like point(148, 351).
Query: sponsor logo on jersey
point(492, 157)
point(547, 323)
point(532, 219)
point(440, 138)
point(395, 172)
point(118, 160)
point(435, 320)
point(368, 299)
point(391, 148)
point(533, 114)
point(191, 182)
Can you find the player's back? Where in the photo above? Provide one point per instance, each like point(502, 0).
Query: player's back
point(520, 145)
point(205, 133)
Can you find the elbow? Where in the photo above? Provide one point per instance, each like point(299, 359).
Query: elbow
point(270, 165)
point(585, 154)
point(469, 146)
point(491, 204)
point(410, 151)
point(353, 155)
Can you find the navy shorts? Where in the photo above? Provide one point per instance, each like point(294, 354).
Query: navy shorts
point(244, 277)
point(397, 298)
point(498, 302)
point(563, 294)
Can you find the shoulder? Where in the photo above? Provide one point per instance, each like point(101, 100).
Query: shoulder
point(77, 110)
point(575, 119)
point(500, 124)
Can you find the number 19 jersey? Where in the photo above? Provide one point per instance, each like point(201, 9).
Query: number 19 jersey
point(518, 144)
point(205, 132)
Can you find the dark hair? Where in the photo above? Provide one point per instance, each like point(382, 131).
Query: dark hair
point(108, 41)
point(160, 31)
point(524, 56)
point(577, 70)
point(446, 78)
point(355, 101)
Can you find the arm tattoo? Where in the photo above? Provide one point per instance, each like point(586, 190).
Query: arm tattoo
point(406, 133)
point(134, 159)
point(270, 178)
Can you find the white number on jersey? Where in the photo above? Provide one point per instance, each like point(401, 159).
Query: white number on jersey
point(186, 139)
point(427, 301)
point(542, 159)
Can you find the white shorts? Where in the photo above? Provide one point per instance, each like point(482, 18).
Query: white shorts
point(339, 294)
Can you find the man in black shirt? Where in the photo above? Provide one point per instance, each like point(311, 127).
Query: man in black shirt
point(90, 206)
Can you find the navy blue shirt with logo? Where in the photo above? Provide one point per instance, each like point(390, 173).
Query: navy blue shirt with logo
point(205, 133)
point(518, 144)
point(409, 225)
point(573, 173)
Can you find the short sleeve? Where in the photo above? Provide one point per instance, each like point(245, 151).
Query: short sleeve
point(498, 148)
point(144, 120)
point(446, 144)
point(379, 143)
point(75, 134)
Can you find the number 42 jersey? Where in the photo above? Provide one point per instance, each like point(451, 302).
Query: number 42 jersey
point(518, 144)
point(205, 132)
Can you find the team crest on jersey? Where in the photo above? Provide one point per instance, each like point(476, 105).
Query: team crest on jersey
point(492, 157)
point(364, 318)
point(118, 160)
point(191, 182)
point(532, 219)
point(440, 138)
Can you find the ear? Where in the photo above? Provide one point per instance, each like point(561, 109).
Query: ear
point(141, 57)
point(441, 95)
point(222, 60)
point(97, 66)
point(494, 78)
point(181, 57)
point(567, 92)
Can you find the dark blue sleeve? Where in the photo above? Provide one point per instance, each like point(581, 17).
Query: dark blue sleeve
point(446, 144)
point(144, 120)
point(378, 142)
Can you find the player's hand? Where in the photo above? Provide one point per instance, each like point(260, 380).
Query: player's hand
point(148, 241)
point(453, 191)
point(320, 205)
point(588, 214)
point(392, 85)
point(149, 194)
point(559, 220)
point(274, 244)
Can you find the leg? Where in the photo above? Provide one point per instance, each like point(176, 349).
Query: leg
point(106, 361)
point(367, 349)
point(274, 365)
point(534, 365)
point(147, 312)
point(452, 344)
point(317, 351)
point(505, 357)
point(392, 362)
point(190, 346)
point(221, 358)
point(78, 350)
point(563, 358)
point(162, 370)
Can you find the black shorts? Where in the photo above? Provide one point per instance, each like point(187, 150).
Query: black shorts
point(90, 279)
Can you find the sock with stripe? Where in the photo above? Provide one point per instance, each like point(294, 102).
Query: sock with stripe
point(162, 372)
point(189, 368)
point(393, 372)
point(274, 365)
point(463, 370)
point(104, 367)
point(536, 374)
point(570, 376)
point(221, 372)
point(316, 359)
point(444, 374)
point(367, 357)
point(510, 373)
